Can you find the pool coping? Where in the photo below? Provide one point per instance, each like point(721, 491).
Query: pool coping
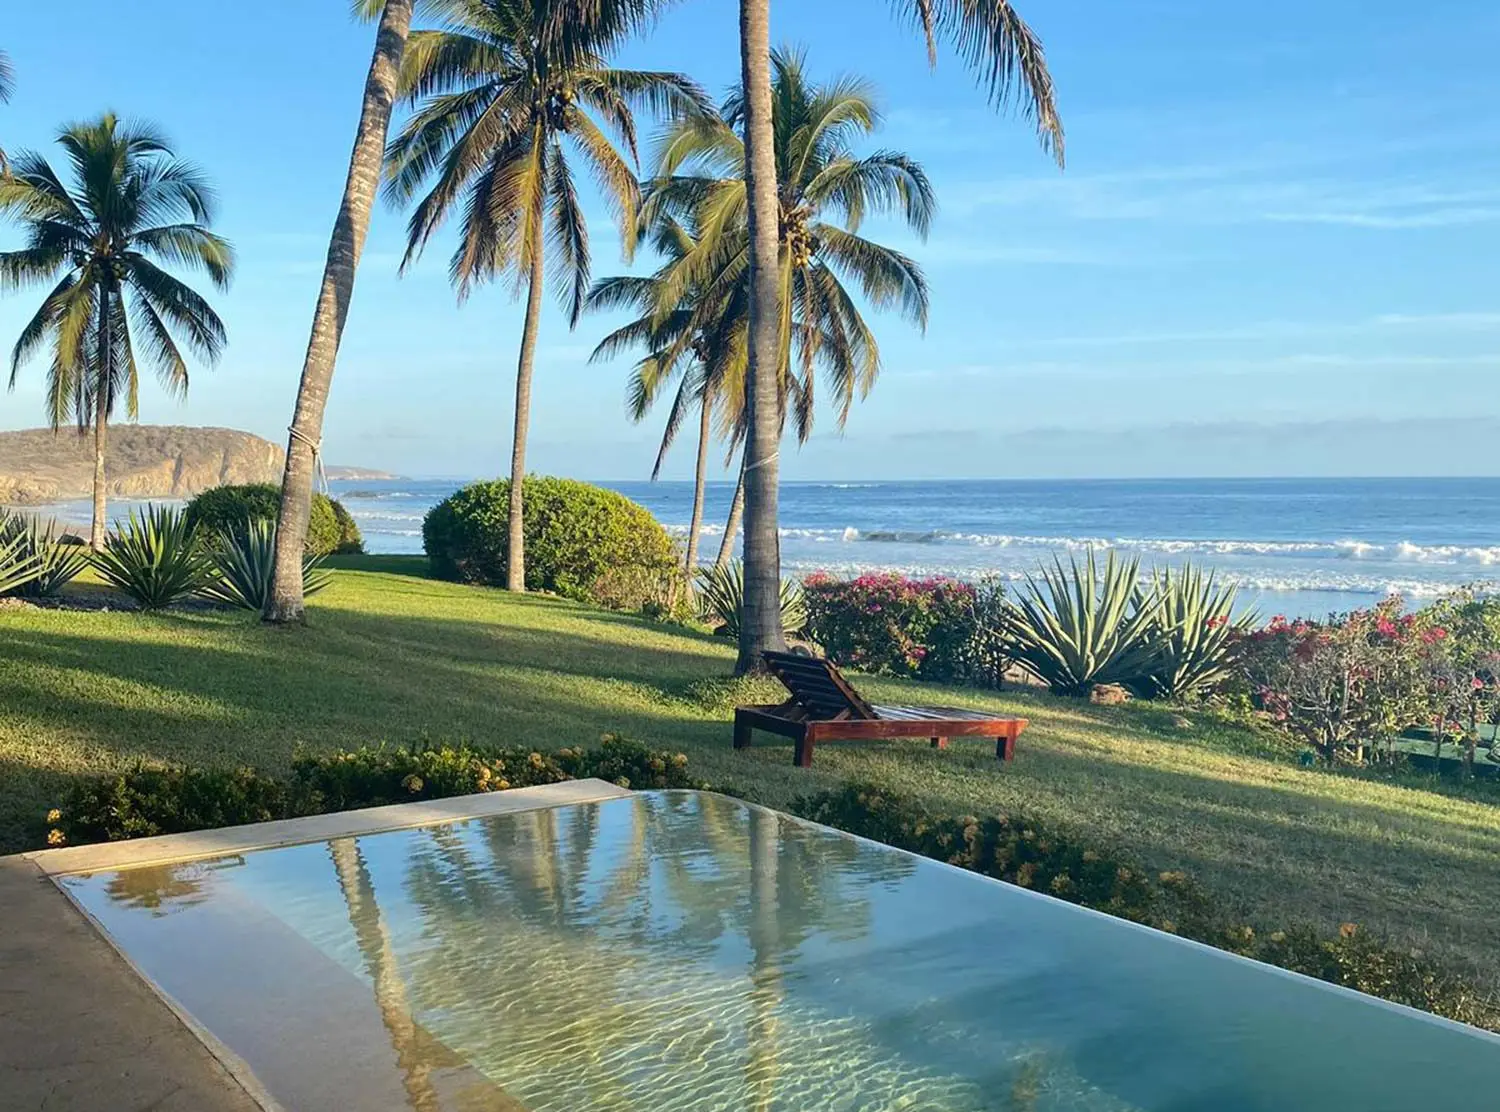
point(165, 848)
point(82, 1029)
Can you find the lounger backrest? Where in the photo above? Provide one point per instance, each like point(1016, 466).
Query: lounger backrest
point(817, 686)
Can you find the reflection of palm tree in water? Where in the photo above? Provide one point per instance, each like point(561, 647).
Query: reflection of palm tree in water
point(380, 963)
point(640, 955)
point(766, 987)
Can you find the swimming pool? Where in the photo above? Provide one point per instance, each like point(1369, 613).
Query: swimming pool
point(685, 951)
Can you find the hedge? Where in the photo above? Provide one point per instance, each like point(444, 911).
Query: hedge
point(147, 801)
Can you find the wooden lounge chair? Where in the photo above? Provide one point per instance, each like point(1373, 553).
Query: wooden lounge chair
point(825, 707)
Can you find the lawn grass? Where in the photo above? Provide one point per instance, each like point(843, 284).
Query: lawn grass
point(392, 656)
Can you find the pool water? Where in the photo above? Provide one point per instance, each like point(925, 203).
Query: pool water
point(682, 951)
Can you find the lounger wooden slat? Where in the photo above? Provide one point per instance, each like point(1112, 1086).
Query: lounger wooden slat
point(824, 706)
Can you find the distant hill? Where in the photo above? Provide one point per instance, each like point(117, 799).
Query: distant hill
point(142, 461)
point(360, 473)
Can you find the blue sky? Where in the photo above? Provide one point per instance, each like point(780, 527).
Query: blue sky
point(1278, 227)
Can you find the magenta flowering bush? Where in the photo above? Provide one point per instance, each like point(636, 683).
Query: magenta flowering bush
point(939, 629)
point(1347, 685)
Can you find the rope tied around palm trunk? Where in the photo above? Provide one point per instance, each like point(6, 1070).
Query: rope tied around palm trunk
point(316, 446)
point(768, 460)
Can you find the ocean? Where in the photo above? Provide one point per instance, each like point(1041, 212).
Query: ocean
point(1304, 547)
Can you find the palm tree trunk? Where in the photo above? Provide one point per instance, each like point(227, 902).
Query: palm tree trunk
point(760, 628)
point(700, 480)
point(732, 525)
point(515, 568)
point(101, 419)
point(344, 249)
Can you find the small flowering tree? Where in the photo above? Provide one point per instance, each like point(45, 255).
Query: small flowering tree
point(1465, 666)
point(1342, 684)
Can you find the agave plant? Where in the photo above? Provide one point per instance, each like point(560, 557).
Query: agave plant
point(153, 558)
point(19, 566)
point(243, 561)
point(721, 600)
point(1083, 626)
point(53, 563)
point(1195, 633)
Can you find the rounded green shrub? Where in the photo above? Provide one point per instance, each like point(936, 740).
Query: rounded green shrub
point(578, 538)
point(224, 508)
point(350, 540)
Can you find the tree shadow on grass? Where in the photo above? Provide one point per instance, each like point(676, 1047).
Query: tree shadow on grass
point(265, 692)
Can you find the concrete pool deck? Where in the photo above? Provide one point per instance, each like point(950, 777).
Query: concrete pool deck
point(82, 1031)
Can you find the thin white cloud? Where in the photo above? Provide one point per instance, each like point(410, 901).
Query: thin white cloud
point(1286, 330)
point(1237, 192)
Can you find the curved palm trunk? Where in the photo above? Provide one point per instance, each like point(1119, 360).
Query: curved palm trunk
point(344, 248)
point(760, 628)
point(700, 480)
point(515, 568)
point(101, 420)
point(732, 525)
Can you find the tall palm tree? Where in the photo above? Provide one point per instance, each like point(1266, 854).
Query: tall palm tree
point(1007, 56)
point(703, 290)
point(133, 204)
point(345, 246)
point(508, 88)
point(712, 356)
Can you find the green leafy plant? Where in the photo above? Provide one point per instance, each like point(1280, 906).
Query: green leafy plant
point(721, 601)
point(145, 801)
point(57, 563)
point(1196, 636)
point(230, 508)
point(243, 561)
point(580, 539)
point(19, 564)
point(61, 561)
point(1083, 626)
point(154, 558)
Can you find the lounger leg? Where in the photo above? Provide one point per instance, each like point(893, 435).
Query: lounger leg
point(1005, 746)
point(804, 749)
point(742, 729)
point(940, 743)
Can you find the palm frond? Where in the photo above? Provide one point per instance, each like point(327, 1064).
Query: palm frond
point(190, 245)
point(886, 181)
point(179, 306)
point(568, 237)
point(1004, 53)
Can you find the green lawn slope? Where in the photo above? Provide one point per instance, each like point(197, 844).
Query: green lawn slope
point(392, 656)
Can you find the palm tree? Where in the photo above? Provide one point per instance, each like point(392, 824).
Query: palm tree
point(7, 89)
point(1007, 56)
point(699, 299)
point(504, 83)
point(712, 355)
point(350, 227)
point(133, 205)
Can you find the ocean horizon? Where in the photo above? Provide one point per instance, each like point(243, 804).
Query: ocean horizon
point(1303, 547)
